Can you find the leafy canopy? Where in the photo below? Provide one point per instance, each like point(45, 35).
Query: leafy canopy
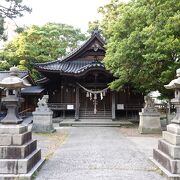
point(41, 44)
point(143, 42)
point(10, 9)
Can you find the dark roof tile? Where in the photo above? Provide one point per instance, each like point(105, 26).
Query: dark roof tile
point(74, 67)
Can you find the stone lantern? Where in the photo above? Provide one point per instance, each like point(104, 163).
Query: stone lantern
point(19, 155)
point(175, 84)
point(167, 155)
point(12, 101)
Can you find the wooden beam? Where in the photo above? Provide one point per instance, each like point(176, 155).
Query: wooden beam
point(113, 106)
point(77, 104)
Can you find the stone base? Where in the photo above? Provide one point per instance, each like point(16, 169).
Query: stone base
point(172, 165)
point(167, 156)
point(165, 171)
point(18, 152)
point(149, 123)
point(42, 122)
point(28, 176)
point(174, 128)
point(39, 128)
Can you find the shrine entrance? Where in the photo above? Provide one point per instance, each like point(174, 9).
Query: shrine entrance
point(95, 103)
point(77, 85)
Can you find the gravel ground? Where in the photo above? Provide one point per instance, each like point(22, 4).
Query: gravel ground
point(99, 153)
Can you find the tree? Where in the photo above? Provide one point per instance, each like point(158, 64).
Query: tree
point(143, 42)
point(41, 44)
point(10, 9)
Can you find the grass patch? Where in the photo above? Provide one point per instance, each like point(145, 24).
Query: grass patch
point(50, 142)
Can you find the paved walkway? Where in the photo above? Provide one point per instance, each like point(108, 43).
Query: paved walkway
point(100, 153)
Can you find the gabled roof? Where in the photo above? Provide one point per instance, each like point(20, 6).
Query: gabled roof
point(71, 64)
point(94, 35)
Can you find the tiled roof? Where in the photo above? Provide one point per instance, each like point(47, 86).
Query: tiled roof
point(71, 65)
point(74, 67)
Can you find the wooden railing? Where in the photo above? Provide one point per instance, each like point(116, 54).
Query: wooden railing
point(133, 107)
point(71, 106)
point(24, 112)
point(61, 106)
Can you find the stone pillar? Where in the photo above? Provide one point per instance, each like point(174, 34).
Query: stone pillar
point(149, 122)
point(77, 104)
point(113, 106)
point(167, 155)
point(42, 117)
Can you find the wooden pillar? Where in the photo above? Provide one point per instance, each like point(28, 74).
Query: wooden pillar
point(77, 104)
point(113, 106)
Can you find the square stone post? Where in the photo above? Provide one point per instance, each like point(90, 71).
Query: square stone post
point(149, 122)
point(77, 104)
point(113, 106)
point(42, 117)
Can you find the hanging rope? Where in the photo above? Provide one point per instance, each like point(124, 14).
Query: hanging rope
point(94, 92)
point(91, 93)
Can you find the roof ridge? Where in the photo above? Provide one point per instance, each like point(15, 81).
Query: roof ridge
point(49, 62)
point(76, 50)
point(86, 42)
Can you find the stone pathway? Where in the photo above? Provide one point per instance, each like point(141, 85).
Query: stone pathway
point(99, 153)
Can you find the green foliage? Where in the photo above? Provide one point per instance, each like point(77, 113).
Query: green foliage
point(93, 26)
point(41, 44)
point(10, 9)
point(143, 42)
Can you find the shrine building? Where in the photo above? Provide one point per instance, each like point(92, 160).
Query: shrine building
point(77, 85)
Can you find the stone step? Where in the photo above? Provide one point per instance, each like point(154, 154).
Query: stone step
point(95, 114)
point(171, 138)
point(87, 114)
point(102, 116)
point(94, 124)
point(18, 152)
point(27, 176)
point(12, 129)
point(98, 110)
point(93, 111)
point(166, 161)
point(169, 149)
point(93, 118)
point(174, 128)
point(20, 166)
